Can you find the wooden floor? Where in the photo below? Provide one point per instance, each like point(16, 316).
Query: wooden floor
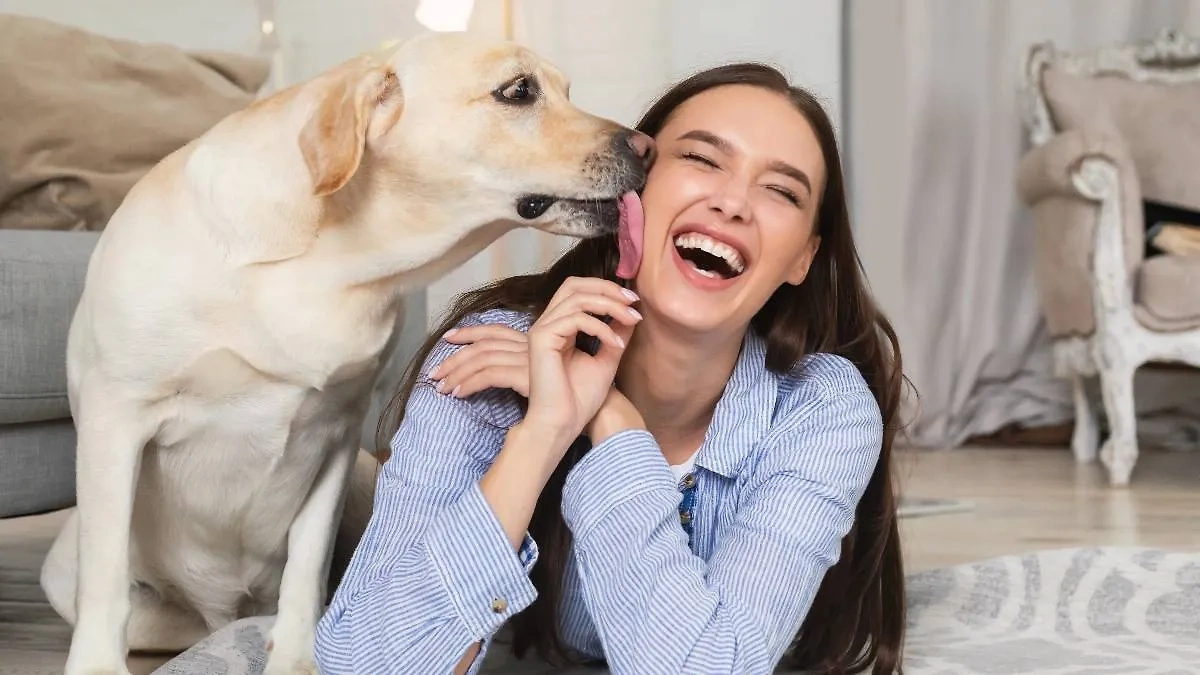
point(1023, 500)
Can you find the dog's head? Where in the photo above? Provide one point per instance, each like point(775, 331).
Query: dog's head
point(481, 131)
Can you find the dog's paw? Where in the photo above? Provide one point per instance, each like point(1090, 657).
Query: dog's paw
point(290, 657)
point(87, 666)
point(87, 670)
point(287, 666)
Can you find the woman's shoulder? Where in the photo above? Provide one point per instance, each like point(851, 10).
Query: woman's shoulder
point(825, 389)
point(826, 407)
point(495, 407)
point(512, 318)
point(824, 375)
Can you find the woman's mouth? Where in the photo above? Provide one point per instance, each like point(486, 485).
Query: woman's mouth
point(709, 257)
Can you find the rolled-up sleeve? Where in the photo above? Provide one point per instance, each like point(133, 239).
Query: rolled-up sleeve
point(434, 572)
point(658, 607)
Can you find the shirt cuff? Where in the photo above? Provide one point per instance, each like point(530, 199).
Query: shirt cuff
point(487, 580)
point(627, 464)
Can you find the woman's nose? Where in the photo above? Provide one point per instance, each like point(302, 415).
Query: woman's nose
point(730, 199)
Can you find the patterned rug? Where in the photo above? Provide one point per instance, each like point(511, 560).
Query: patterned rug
point(1124, 611)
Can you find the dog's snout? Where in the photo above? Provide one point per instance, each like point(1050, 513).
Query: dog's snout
point(641, 144)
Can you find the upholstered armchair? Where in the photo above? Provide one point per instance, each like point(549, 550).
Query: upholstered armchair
point(1110, 129)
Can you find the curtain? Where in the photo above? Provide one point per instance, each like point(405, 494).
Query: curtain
point(949, 238)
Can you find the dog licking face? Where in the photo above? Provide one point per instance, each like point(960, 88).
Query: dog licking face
point(499, 143)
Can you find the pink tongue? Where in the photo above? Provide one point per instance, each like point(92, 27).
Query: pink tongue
point(629, 235)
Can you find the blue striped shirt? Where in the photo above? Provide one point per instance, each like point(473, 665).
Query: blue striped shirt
point(776, 482)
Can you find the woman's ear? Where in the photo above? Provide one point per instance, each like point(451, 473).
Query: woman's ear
point(799, 269)
point(334, 138)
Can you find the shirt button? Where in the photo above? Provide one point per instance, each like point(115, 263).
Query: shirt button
point(499, 605)
point(685, 517)
point(689, 481)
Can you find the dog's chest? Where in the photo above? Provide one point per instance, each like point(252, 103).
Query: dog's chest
point(323, 340)
point(238, 455)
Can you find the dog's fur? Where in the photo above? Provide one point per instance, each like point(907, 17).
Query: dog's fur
point(238, 307)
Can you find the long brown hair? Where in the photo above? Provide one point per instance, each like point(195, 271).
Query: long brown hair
point(856, 621)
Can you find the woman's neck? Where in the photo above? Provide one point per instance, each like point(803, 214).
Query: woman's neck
point(675, 383)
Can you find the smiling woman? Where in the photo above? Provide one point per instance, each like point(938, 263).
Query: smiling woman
point(708, 491)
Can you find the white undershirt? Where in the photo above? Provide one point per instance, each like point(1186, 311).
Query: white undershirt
point(683, 469)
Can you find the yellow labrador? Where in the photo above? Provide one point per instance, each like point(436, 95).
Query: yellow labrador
point(238, 308)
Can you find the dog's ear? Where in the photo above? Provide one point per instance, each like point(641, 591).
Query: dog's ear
point(334, 138)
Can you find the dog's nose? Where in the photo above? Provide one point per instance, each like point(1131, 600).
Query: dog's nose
point(641, 144)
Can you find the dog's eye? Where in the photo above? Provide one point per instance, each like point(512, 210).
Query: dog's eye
point(521, 90)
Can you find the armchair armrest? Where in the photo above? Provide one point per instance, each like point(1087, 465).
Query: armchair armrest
point(1049, 169)
point(1067, 211)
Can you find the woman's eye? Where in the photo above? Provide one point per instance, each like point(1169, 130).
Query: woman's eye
point(788, 195)
point(699, 158)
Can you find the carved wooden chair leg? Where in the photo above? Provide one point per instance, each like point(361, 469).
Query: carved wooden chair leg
point(1120, 451)
point(1085, 440)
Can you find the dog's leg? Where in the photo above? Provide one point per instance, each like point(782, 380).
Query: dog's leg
point(357, 507)
point(154, 624)
point(112, 435)
point(302, 588)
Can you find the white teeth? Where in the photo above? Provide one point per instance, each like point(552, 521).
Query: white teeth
point(717, 248)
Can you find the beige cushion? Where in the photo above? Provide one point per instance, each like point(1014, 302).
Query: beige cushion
point(85, 116)
point(1168, 287)
point(1159, 123)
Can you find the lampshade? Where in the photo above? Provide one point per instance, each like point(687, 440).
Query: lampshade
point(445, 15)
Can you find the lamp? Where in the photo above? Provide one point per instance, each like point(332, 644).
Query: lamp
point(445, 15)
point(269, 44)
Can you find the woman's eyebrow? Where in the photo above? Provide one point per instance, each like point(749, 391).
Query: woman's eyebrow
point(725, 146)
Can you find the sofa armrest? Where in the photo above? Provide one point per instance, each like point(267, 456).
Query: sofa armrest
point(41, 279)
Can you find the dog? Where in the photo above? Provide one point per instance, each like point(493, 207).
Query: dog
point(239, 305)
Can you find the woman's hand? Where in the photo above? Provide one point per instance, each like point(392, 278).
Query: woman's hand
point(495, 356)
point(615, 415)
point(567, 385)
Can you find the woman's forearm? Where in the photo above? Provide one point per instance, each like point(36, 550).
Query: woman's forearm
point(515, 480)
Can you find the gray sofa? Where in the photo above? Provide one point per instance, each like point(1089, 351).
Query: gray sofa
point(41, 278)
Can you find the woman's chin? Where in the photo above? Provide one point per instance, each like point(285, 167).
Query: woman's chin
point(694, 318)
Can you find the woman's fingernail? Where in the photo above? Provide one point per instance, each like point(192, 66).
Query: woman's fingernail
point(441, 387)
point(629, 294)
point(620, 342)
point(456, 390)
point(636, 314)
point(433, 374)
point(450, 332)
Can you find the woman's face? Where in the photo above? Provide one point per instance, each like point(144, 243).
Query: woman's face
point(730, 205)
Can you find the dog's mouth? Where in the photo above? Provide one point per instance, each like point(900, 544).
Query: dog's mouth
point(532, 207)
point(578, 217)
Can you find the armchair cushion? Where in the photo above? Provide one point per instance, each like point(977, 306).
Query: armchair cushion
point(1168, 291)
point(1158, 122)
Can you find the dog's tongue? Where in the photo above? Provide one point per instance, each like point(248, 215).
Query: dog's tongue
point(629, 235)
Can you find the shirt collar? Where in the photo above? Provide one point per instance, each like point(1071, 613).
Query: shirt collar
point(744, 411)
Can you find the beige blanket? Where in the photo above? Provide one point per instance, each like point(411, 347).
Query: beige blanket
point(83, 116)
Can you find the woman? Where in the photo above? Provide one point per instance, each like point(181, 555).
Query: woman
point(733, 508)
